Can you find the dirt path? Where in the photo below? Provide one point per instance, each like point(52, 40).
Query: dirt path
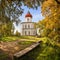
point(11, 47)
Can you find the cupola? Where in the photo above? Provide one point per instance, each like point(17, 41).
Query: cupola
point(28, 14)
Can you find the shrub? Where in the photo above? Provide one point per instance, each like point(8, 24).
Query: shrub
point(57, 38)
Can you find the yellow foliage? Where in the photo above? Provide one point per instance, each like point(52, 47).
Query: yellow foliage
point(50, 7)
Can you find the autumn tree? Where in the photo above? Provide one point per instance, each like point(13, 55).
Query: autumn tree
point(50, 25)
point(50, 9)
point(5, 27)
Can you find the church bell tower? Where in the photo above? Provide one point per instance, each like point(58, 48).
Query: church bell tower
point(28, 25)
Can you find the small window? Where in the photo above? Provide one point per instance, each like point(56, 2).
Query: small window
point(27, 19)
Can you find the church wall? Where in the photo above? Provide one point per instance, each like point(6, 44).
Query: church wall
point(25, 25)
point(32, 32)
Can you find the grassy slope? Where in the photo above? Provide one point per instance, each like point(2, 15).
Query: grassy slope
point(12, 38)
point(48, 50)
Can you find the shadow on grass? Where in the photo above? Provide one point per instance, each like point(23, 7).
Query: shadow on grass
point(32, 55)
point(4, 56)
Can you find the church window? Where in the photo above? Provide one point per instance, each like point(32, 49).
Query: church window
point(25, 32)
point(28, 32)
point(25, 26)
point(34, 32)
point(28, 26)
point(27, 19)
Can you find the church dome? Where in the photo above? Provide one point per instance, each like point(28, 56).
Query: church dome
point(28, 15)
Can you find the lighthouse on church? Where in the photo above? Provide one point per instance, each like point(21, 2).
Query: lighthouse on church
point(28, 28)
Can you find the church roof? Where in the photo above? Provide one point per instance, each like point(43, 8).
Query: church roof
point(28, 15)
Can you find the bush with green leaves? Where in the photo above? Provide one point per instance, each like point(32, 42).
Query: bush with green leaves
point(57, 38)
point(47, 50)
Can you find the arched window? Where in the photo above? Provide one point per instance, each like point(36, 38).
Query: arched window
point(28, 32)
point(25, 32)
point(25, 26)
point(27, 19)
point(28, 26)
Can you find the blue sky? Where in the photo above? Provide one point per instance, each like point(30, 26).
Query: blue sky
point(35, 13)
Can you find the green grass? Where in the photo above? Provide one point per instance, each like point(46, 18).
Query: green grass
point(9, 38)
point(48, 50)
point(29, 38)
point(12, 38)
point(25, 42)
point(3, 55)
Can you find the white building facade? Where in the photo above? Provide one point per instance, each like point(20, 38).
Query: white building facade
point(28, 26)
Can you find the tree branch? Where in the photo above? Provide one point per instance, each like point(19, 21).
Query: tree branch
point(57, 1)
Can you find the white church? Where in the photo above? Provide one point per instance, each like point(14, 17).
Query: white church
point(28, 28)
